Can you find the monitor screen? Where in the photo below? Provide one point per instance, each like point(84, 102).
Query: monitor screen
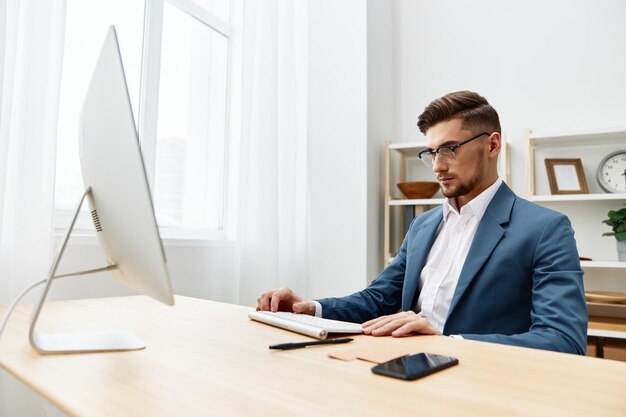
point(112, 166)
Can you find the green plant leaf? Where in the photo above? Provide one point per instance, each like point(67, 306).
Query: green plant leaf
point(617, 221)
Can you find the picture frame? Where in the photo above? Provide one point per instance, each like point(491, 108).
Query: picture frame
point(566, 176)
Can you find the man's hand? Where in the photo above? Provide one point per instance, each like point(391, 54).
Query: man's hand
point(283, 299)
point(399, 324)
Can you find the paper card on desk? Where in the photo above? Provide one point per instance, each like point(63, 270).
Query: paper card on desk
point(369, 354)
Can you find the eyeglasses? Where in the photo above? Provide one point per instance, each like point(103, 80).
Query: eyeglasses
point(446, 153)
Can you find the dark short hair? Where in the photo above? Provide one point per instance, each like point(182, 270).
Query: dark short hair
point(473, 109)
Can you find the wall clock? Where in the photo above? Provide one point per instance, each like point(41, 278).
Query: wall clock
point(612, 172)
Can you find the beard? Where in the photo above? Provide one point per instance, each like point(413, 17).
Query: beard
point(455, 192)
point(464, 187)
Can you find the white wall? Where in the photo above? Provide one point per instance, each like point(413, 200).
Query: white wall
point(380, 121)
point(548, 65)
point(337, 147)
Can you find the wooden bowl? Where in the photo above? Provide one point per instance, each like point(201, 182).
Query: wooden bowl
point(419, 189)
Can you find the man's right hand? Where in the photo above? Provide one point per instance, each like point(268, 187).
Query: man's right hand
point(283, 299)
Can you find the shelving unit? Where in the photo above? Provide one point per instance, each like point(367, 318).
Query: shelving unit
point(396, 154)
point(422, 201)
point(604, 265)
point(607, 327)
point(577, 197)
point(590, 146)
point(586, 212)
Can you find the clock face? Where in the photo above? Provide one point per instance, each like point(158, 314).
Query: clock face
point(612, 172)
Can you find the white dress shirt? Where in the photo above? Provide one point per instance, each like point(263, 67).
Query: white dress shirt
point(447, 256)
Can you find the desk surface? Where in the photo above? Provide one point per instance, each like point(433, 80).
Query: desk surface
point(207, 358)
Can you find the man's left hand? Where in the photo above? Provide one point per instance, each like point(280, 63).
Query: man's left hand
point(399, 324)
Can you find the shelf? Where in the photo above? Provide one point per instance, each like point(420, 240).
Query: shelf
point(589, 137)
point(607, 327)
point(409, 147)
point(589, 146)
point(615, 334)
point(577, 197)
point(607, 310)
point(418, 202)
point(603, 264)
point(607, 324)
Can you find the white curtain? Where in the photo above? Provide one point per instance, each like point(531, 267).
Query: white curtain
point(31, 46)
point(272, 225)
point(31, 50)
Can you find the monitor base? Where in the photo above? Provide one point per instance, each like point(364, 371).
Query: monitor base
point(76, 342)
point(86, 342)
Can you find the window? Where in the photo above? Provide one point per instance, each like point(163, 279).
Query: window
point(86, 25)
point(181, 107)
point(190, 136)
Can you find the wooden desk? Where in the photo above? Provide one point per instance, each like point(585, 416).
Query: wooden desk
point(206, 358)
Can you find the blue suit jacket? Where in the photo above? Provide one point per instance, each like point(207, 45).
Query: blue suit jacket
point(521, 283)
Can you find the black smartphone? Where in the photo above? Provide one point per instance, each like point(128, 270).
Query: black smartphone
point(414, 366)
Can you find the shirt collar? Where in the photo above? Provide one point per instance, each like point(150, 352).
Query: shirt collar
point(478, 205)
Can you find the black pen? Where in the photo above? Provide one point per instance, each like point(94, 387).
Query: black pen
point(286, 346)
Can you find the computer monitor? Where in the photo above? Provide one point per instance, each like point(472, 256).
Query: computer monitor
point(118, 194)
point(112, 165)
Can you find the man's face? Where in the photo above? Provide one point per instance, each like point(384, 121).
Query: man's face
point(467, 175)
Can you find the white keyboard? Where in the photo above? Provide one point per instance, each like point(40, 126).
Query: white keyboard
point(303, 323)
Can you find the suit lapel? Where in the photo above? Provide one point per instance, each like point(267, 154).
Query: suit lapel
point(487, 237)
point(422, 241)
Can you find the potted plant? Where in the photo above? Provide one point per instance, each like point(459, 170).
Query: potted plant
point(617, 221)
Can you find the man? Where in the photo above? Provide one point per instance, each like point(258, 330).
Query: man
point(487, 265)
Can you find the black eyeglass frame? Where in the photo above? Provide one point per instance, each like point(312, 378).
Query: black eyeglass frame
point(452, 148)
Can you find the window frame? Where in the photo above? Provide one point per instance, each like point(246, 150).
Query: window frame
point(148, 109)
point(146, 119)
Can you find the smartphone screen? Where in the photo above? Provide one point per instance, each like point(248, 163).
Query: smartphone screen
point(414, 366)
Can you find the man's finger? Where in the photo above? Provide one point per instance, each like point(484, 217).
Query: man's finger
point(377, 320)
point(408, 328)
point(419, 325)
point(264, 305)
point(388, 328)
point(275, 301)
point(380, 322)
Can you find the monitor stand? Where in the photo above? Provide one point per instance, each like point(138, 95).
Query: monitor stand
point(77, 342)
